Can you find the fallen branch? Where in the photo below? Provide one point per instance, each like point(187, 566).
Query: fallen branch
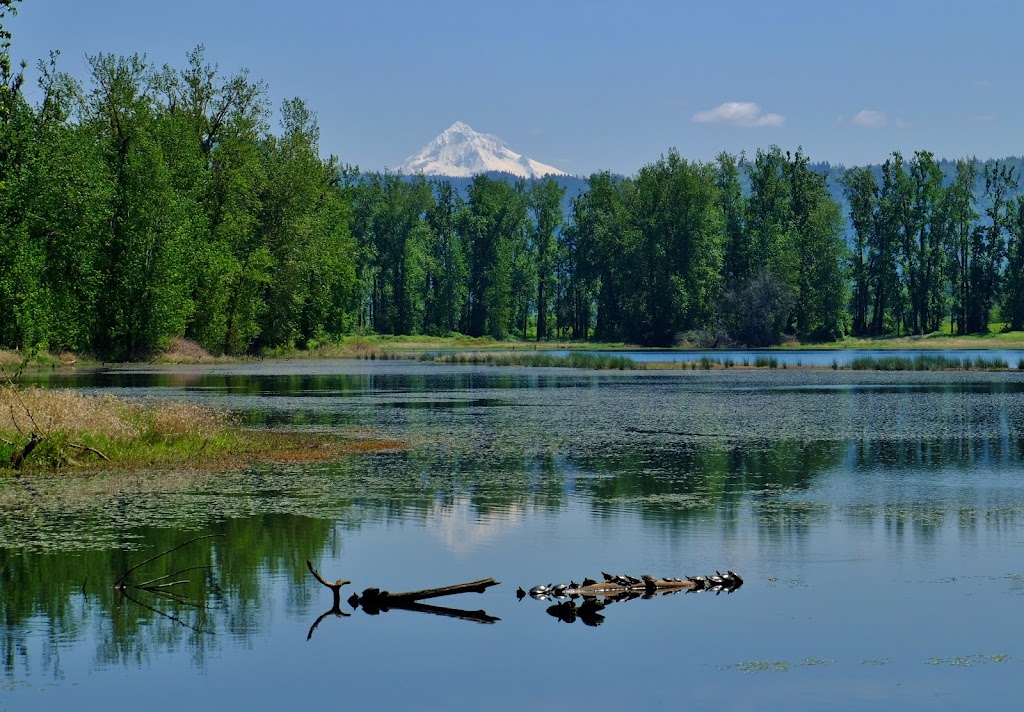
point(121, 583)
point(393, 599)
point(144, 584)
point(374, 600)
point(90, 449)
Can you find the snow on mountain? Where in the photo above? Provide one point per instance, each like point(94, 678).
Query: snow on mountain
point(462, 152)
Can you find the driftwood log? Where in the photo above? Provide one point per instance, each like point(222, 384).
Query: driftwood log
point(374, 600)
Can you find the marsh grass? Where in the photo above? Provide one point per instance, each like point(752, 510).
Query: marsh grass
point(536, 359)
point(925, 362)
point(598, 362)
point(83, 430)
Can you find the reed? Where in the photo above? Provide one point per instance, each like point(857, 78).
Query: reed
point(534, 359)
point(926, 362)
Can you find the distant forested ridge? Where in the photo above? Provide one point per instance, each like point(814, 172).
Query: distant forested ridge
point(141, 203)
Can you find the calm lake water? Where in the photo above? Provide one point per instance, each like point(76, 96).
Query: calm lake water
point(877, 518)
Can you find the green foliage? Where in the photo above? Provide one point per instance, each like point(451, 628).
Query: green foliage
point(925, 362)
point(493, 223)
point(756, 312)
point(545, 200)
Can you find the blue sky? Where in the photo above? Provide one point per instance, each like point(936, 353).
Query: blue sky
point(593, 85)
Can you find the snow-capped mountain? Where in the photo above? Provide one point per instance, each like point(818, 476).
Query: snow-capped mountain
point(461, 152)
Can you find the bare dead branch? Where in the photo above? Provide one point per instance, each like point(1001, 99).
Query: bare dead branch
point(120, 583)
point(335, 587)
point(89, 449)
point(163, 585)
point(176, 573)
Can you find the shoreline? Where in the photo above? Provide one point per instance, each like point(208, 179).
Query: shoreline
point(383, 347)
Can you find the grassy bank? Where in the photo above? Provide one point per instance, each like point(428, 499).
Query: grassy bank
point(44, 429)
point(383, 347)
point(996, 338)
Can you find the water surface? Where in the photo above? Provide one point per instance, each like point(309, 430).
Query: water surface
point(876, 517)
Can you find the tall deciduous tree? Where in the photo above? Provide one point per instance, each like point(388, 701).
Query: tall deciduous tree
point(862, 194)
point(545, 201)
point(960, 217)
point(493, 224)
point(445, 281)
point(988, 246)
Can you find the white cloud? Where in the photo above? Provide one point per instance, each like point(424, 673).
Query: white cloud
point(870, 119)
point(739, 113)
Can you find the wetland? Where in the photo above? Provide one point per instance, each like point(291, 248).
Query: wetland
point(877, 519)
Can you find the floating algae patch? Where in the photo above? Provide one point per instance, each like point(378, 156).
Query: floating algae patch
point(917, 513)
point(970, 660)
point(879, 662)
point(753, 666)
point(791, 512)
point(50, 513)
point(672, 500)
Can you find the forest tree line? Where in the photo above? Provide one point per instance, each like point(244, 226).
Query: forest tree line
point(151, 203)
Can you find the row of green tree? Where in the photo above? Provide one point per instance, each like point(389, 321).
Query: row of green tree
point(152, 203)
point(925, 248)
point(155, 203)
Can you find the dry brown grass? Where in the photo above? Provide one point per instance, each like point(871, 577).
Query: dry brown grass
point(184, 419)
point(356, 348)
point(43, 411)
point(10, 359)
point(183, 350)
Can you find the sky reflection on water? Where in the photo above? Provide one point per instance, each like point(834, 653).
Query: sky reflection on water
point(886, 507)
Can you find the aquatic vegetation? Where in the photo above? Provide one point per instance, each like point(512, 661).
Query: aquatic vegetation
point(925, 362)
point(970, 660)
point(752, 666)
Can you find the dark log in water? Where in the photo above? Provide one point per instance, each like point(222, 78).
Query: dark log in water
point(394, 599)
point(374, 600)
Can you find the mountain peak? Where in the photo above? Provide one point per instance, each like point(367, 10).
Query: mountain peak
point(459, 151)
